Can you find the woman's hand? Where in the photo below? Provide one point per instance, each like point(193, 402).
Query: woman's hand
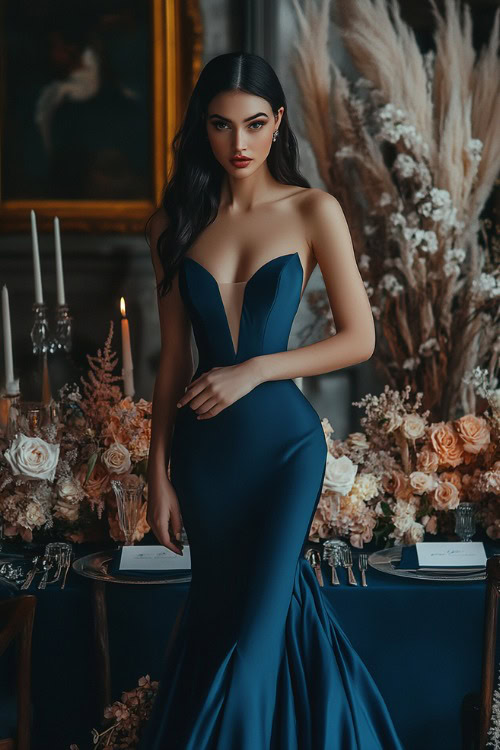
point(220, 387)
point(163, 509)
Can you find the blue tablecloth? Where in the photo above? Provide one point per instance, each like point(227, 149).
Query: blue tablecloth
point(421, 640)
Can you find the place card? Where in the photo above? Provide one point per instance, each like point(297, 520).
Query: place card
point(148, 557)
point(451, 555)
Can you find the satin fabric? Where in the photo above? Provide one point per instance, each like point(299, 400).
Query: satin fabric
point(260, 661)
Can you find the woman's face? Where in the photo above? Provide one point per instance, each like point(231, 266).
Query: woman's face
point(240, 124)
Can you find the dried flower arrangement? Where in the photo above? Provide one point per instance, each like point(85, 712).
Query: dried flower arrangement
point(128, 716)
point(411, 152)
point(57, 481)
point(403, 475)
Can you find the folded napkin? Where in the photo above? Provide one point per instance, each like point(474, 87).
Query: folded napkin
point(114, 569)
point(409, 561)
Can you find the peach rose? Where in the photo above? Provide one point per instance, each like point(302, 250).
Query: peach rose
point(117, 459)
point(447, 444)
point(427, 460)
point(454, 477)
point(445, 496)
point(97, 483)
point(422, 482)
point(397, 484)
point(474, 432)
point(413, 426)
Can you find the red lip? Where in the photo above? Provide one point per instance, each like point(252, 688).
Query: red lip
point(241, 158)
point(240, 162)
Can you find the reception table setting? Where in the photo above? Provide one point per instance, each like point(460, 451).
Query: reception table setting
point(104, 630)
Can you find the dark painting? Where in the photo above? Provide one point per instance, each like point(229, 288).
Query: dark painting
point(76, 100)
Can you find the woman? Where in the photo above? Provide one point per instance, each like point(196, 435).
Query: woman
point(259, 661)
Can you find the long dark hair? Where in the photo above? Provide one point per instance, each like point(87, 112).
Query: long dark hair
point(192, 194)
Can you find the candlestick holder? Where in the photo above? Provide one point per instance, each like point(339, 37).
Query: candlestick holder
point(62, 338)
point(9, 405)
point(40, 329)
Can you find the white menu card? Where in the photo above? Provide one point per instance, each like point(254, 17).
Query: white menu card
point(154, 557)
point(451, 554)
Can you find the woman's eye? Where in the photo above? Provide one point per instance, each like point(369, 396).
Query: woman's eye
point(260, 124)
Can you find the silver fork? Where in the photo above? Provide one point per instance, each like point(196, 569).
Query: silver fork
point(363, 565)
point(347, 563)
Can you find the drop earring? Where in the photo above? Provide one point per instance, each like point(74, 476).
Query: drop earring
point(275, 135)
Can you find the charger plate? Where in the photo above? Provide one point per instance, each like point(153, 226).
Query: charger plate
point(96, 566)
point(383, 560)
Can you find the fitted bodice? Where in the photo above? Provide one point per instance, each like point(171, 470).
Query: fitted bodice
point(233, 321)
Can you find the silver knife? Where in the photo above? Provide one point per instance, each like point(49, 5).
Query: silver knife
point(68, 564)
point(48, 565)
point(34, 570)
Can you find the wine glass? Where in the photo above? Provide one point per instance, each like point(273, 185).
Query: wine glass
point(129, 501)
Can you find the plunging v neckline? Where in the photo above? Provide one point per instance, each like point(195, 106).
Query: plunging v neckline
point(245, 288)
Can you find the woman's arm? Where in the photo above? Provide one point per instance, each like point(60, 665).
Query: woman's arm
point(176, 362)
point(355, 338)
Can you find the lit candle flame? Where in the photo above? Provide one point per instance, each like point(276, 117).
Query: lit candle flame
point(122, 307)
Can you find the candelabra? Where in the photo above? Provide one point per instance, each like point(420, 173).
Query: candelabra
point(41, 339)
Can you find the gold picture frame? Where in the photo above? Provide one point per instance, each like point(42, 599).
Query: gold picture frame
point(175, 49)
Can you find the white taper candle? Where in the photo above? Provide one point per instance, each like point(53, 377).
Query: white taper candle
point(61, 300)
point(36, 260)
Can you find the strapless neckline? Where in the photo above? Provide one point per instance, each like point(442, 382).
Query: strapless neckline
point(264, 265)
point(225, 299)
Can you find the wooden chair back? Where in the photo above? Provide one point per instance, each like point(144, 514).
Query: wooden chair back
point(16, 621)
point(489, 647)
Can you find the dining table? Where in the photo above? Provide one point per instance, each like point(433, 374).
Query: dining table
point(421, 640)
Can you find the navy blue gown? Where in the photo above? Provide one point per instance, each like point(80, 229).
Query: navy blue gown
point(259, 661)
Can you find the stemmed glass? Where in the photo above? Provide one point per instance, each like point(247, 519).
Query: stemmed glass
point(129, 501)
point(465, 523)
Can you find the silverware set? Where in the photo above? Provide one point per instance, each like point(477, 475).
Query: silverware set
point(338, 556)
point(57, 558)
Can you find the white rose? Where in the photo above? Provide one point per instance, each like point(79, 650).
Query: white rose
point(116, 459)
point(413, 426)
point(69, 490)
point(33, 457)
point(34, 515)
point(415, 533)
point(340, 474)
point(422, 482)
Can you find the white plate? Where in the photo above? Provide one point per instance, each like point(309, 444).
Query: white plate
point(382, 560)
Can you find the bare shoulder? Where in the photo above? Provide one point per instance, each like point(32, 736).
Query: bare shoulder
point(316, 201)
point(324, 220)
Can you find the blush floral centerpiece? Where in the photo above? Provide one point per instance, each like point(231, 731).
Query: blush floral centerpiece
point(404, 475)
point(57, 481)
